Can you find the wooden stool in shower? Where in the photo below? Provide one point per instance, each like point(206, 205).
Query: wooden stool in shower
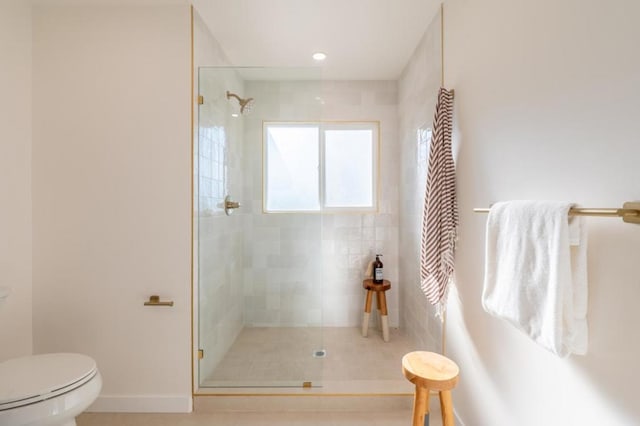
point(381, 301)
point(430, 372)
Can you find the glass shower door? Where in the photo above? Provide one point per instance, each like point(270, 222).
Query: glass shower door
point(258, 274)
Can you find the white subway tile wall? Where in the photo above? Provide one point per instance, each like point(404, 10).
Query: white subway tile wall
point(219, 238)
point(307, 269)
point(417, 90)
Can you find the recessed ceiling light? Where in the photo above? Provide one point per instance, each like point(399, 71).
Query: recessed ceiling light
point(235, 114)
point(319, 56)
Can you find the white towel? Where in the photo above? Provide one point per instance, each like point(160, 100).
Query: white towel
point(533, 278)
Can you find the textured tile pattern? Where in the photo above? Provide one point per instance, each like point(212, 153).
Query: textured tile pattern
point(417, 91)
point(219, 238)
point(306, 269)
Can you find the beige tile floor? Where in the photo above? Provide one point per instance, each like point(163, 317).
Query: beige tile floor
point(284, 357)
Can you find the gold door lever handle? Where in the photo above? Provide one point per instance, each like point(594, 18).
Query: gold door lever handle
point(155, 301)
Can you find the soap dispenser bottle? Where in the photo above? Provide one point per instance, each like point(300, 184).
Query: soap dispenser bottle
point(377, 270)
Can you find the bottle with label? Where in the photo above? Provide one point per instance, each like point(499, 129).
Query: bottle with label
point(377, 270)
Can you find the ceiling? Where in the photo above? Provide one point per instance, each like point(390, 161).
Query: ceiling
point(363, 39)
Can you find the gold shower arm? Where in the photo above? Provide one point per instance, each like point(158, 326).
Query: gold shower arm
point(630, 212)
point(233, 95)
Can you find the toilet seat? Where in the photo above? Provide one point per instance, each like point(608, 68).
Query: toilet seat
point(31, 379)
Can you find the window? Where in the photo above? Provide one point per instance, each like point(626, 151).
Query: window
point(311, 167)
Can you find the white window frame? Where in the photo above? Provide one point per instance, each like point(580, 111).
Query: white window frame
point(323, 126)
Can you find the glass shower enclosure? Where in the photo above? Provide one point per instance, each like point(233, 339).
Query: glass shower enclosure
point(259, 275)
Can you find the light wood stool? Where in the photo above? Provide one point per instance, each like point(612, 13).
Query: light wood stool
point(381, 301)
point(430, 371)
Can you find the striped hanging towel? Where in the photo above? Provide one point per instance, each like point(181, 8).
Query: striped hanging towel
point(440, 215)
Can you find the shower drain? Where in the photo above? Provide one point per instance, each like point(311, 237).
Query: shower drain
point(320, 353)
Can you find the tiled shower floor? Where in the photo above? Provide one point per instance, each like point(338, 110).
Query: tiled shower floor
point(284, 357)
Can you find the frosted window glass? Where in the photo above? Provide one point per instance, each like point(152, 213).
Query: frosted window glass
point(349, 168)
point(292, 177)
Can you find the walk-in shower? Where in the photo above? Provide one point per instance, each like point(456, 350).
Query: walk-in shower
point(279, 291)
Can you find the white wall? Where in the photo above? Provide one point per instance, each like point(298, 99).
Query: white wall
point(546, 108)
point(350, 242)
point(417, 96)
point(15, 178)
point(111, 195)
point(307, 269)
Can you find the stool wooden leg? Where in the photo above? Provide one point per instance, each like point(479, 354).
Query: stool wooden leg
point(421, 407)
point(384, 316)
point(385, 327)
point(367, 313)
point(446, 406)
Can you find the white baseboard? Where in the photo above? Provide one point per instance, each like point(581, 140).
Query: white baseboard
point(142, 404)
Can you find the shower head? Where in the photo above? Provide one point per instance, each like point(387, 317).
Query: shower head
point(245, 104)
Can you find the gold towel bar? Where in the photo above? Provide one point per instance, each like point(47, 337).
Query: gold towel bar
point(630, 212)
point(155, 301)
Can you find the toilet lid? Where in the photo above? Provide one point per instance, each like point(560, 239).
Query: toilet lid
point(33, 378)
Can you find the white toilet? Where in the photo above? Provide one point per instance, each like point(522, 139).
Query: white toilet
point(49, 389)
